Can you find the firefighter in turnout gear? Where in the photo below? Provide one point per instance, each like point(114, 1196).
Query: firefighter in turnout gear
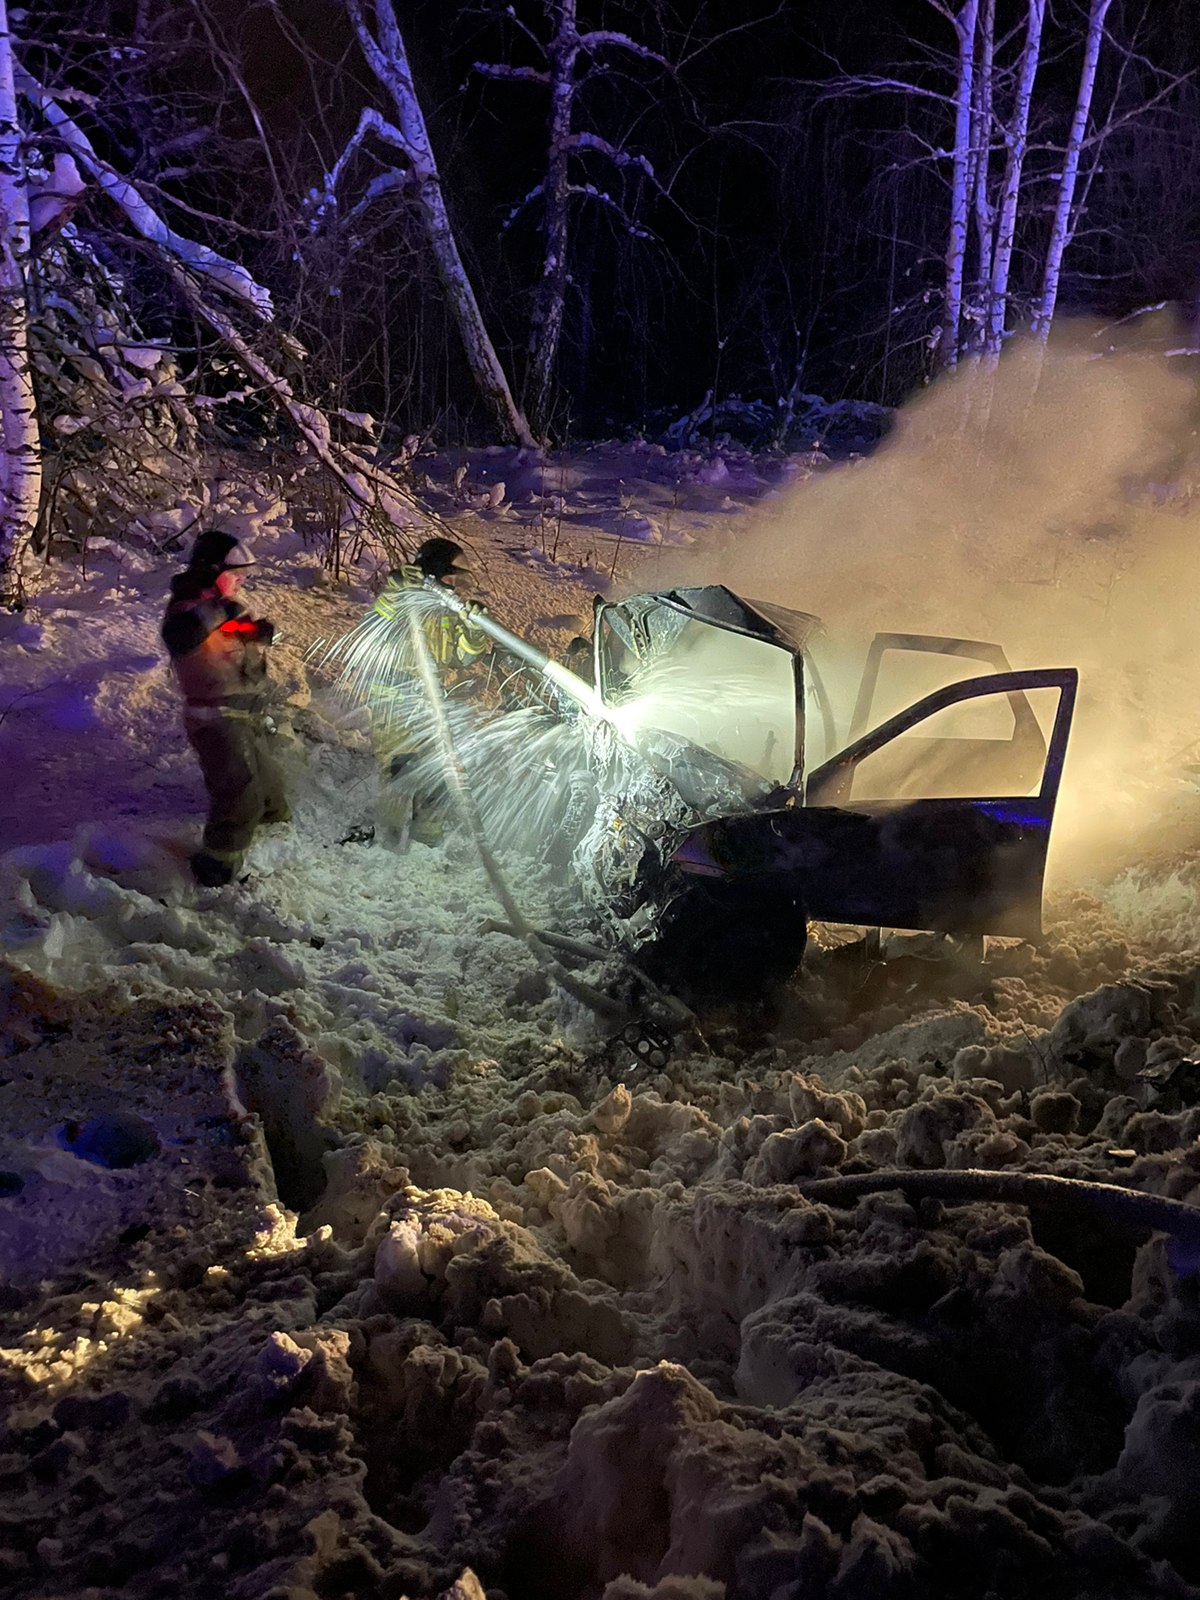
point(453, 645)
point(451, 639)
point(218, 655)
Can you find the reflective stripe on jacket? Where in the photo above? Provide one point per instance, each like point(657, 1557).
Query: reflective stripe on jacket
point(218, 652)
point(451, 639)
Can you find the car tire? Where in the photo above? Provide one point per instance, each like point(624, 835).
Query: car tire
point(729, 942)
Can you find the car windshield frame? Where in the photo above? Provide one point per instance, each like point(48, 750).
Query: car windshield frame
point(716, 607)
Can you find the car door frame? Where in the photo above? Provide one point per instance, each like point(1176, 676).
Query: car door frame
point(829, 784)
point(602, 607)
point(971, 865)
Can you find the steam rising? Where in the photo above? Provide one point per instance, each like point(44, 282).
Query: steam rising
point(1064, 529)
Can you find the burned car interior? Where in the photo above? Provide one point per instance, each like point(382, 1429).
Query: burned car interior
point(721, 677)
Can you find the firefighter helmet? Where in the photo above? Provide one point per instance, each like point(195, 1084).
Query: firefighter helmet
point(217, 552)
point(438, 558)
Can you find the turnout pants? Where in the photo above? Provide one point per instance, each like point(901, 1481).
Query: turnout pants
point(243, 783)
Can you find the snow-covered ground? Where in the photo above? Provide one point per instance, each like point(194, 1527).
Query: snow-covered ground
point(475, 1303)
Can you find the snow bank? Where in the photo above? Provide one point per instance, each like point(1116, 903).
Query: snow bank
point(346, 1256)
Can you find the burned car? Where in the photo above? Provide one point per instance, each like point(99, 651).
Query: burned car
point(700, 793)
point(741, 815)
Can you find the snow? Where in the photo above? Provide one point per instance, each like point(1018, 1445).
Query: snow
point(416, 1283)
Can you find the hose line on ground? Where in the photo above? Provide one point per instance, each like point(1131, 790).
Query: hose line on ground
point(1129, 1209)
point(603, 1005)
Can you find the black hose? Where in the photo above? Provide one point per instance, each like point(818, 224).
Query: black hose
point(1129, 1209)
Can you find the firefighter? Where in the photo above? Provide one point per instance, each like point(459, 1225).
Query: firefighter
point(453, 645)
point(452, 641)
point(579, 656)
point(218, 655)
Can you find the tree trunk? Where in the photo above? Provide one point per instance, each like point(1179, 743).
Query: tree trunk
point(960, 199)
point(388, 59)
point(20, 447)
point(550, 297)
point(1063, 226)
point(981, 152)
point(1016, 138)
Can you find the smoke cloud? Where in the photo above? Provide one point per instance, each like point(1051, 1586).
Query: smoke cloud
point(1054, 509)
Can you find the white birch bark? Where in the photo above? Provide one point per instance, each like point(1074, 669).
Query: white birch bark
point(1063, 225)
point(190, 266)
point(230, 275)
point(960, 198)
point(983, 211)
point(1016, 138)
point(20, 447)
point(388, 59)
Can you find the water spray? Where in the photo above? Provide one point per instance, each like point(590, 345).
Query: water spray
point(671, 1012)
point(388, 650)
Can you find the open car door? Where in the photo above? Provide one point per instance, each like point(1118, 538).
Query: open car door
point(925, 645)
point(938, 818)
point(995, 748)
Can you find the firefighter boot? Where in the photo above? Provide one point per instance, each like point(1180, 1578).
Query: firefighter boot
point(211, 871)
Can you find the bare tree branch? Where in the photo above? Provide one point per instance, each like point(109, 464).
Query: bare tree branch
point(369, 121)
point(498, 69)
point(589, 191)
point(869, 83)
point(526, 200)
point(228, 275)
point(607, 38)
point(583, 140)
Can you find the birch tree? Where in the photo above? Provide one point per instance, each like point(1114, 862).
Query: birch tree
point(20, 450)
point(217, 290)
point(417, 180)
point(1063, 225)
point(1016, 139)
point(965, 125)
point(983, 210)
point(568, 56)
point(1007, 142)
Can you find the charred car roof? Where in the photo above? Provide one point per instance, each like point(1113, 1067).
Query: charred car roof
point(713, 602)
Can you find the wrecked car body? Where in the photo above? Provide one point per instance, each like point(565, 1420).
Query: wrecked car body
point(711, 785)
point(710, 853)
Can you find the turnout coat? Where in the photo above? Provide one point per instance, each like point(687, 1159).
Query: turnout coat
point(218, 655)
point(218, 651)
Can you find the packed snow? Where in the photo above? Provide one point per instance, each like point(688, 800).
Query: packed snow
point(344, 1253)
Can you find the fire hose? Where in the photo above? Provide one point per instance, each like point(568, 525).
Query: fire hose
point(561, 677)
point(1127, 1209)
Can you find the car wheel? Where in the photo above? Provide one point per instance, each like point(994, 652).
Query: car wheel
point(729, 941)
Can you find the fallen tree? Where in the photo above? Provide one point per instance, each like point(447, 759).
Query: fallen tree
point(220, 293)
